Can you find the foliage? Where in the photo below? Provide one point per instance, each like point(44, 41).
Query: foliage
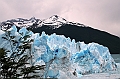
point(19, 63)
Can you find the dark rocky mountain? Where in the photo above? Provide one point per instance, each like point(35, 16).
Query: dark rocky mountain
point(60, 26)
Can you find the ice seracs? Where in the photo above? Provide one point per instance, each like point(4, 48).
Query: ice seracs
point(63, 55)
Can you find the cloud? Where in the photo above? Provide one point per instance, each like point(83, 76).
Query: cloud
point(103, 15)
point(100, 14)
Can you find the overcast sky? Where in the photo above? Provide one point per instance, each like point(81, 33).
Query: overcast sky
point(99, 14)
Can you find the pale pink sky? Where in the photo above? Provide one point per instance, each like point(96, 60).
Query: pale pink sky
point(100, 14)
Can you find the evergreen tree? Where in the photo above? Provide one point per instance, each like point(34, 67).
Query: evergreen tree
point(15, 65)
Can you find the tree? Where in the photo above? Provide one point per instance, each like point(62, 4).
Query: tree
point(16, 64)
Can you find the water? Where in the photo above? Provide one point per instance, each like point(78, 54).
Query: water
point(116, 57)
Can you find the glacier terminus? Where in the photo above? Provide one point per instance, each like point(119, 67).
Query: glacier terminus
point(63, 55)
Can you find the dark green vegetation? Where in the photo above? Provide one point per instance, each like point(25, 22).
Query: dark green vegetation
point(17, 64)
point(86, 34)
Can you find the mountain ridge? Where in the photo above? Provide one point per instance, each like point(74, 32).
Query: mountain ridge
point(54, 21)
point(60, 26)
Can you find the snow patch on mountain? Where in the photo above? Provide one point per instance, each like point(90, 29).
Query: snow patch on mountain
point(53, 22)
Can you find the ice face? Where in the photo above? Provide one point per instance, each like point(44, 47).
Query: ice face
point(77, 57)
point(59, 53)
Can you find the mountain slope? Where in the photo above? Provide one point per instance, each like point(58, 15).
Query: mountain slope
point(60, 26)
point(86, 34)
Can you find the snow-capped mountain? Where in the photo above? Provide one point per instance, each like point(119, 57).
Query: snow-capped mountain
point(60, 26)
point(60, 47)
point(53, 22)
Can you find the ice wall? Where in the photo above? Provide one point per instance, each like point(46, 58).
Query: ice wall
point(63, 55)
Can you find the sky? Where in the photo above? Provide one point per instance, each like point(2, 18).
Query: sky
point(99, 14)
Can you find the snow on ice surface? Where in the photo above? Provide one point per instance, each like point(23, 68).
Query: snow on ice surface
point(65, 57)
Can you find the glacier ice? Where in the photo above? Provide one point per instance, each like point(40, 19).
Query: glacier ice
point(63, 55)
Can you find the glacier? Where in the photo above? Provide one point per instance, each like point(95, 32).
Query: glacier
point(63, 55)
